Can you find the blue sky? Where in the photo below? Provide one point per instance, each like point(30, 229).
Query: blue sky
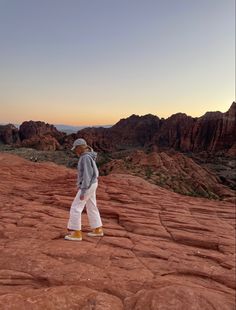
point(89, 62)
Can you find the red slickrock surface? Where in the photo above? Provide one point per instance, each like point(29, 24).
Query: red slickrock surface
point(161, 250)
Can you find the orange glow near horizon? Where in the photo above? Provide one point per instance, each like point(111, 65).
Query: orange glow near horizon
point(103, 117)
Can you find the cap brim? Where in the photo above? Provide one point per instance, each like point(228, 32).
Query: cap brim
point(73, 148)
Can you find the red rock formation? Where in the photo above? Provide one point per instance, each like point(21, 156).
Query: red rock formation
point(135, 131)
point(44, 143)
point(100, 139)
point(213, 132)
point(232, 151)
point(172, 171)
point(161, 250)
point(9, 134)
point(31, 129)
point(175, 132)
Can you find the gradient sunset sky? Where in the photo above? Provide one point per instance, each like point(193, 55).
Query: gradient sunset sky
point(90, 62)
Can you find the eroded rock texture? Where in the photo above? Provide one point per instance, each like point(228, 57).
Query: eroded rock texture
point(161, 250)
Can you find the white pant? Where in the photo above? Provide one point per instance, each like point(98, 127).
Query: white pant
point(78, 205)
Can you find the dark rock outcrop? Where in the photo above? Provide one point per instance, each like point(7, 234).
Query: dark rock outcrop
point(40, 135)
point(133, 132)
point(101, 139)
point(9, 134)
point(31, 129)
point(44, 143)
point(213, 132)
point(175, 133)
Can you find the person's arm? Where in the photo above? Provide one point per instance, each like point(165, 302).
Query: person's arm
point(78, 183)
point(87, 174)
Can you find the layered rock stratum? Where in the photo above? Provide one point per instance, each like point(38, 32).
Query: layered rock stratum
point(161, 250)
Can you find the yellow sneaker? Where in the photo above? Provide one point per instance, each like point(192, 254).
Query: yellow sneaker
point(74, 236)
point(97, 232)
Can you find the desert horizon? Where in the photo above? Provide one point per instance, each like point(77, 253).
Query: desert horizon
point(77, 126)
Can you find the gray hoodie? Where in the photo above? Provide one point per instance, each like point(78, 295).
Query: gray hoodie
point(87, 171)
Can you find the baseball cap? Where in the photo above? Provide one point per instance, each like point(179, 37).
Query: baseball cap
point(78, 142)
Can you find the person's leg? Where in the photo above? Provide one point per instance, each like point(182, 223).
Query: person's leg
point(74, 223)
point(93, 212)
point(76, 209)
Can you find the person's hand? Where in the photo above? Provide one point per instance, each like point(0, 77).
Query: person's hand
point(82, 197)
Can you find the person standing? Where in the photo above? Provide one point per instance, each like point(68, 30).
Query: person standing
point(87, 183)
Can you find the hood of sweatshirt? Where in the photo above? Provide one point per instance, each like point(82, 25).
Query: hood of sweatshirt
point(91, 154)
